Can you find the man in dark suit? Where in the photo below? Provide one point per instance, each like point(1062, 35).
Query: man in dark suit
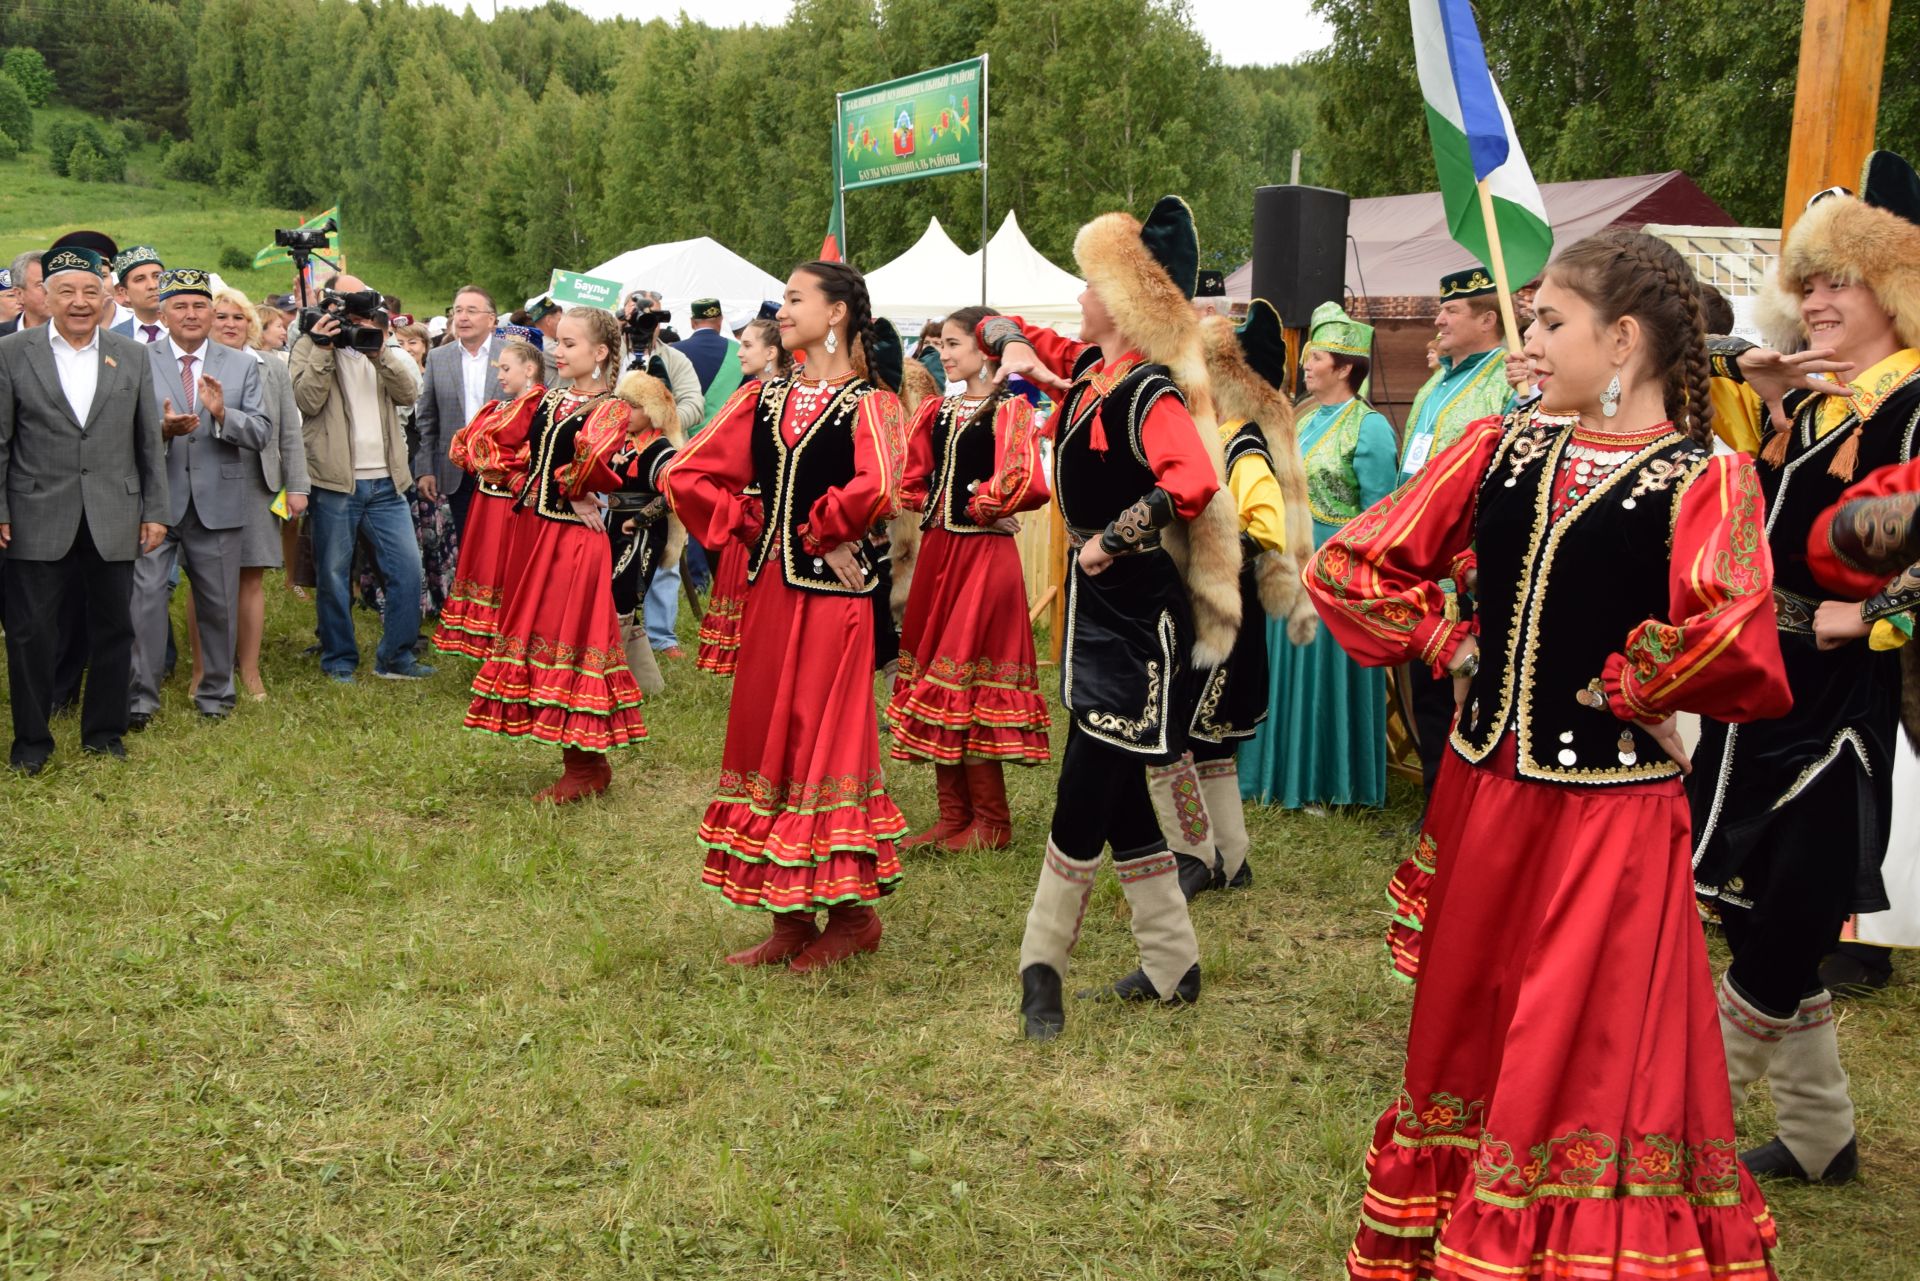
point(460, 378)
point(32, 290)
point(215, 425)
point(139, 270)
point(83, 490)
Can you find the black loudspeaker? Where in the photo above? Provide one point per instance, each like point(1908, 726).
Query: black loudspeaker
point(1299, 249)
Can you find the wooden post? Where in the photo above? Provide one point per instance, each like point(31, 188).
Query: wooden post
point(1059, 550)
point(1843, 50)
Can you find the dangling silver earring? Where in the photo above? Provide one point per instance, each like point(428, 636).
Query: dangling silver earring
point(1609, 399)
point(833, 345)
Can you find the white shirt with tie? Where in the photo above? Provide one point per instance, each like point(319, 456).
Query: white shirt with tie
point(79, 370)
point(146, 333)
point(190, 382)
point(473, 374)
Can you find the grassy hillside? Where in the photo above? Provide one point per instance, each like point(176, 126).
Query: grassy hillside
point(189, 224)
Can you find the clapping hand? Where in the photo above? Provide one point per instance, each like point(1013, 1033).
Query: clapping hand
point(213, 398)
point(172, 424)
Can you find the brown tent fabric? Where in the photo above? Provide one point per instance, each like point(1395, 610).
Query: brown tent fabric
point(1399, 245)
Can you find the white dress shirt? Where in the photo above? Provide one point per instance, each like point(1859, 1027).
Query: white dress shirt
point(473, 374)
point(79, 370)
point(199, 355)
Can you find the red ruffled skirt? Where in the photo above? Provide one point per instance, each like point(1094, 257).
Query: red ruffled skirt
point(720, 627)
point(470, 619)
point(967, 685)
point(802, 819)
point(1565, 1111)
point(557, 671)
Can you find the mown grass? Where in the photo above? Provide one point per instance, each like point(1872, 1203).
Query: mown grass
point(318, 993)
point(188, 223)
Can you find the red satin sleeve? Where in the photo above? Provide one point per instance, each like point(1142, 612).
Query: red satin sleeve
point(918, 476)
point(1835, 572)
point(1058, 354)
point(846, 512)
point(704, 480)
point(496, 439)
point(603, 435)
point(1019, 482)
point(1376, 583)
point(1179, 461)
point(1720, 656)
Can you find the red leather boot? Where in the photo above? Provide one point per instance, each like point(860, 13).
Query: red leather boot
point(586, 774)
point(791, 932)
point(956, 815)
point(987, 795)
point(852, 928)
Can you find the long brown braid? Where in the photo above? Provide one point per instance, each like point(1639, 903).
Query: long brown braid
point(769, 332)
point(841, 283)
point(1629, 273)
point(969, 318)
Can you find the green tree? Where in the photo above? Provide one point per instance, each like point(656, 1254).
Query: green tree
point(30, 71)
point(16, 113)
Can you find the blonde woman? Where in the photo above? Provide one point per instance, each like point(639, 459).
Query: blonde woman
point(282, 465)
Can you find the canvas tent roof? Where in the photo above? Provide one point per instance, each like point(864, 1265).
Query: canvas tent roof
point(683, 270)
point(935, 277)
point(1399, 245)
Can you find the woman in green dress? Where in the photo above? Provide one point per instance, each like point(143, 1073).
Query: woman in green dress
point(1326, 741)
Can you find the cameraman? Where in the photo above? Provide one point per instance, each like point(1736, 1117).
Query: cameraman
point(642, 319)
point(357, 465)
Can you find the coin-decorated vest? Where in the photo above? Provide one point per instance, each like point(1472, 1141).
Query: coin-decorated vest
point(796, 476)
point(963, 453)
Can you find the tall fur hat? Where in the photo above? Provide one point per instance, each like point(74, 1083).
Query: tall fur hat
point(1872, 239)
point(1244, 375)
point(654, 398)
point(1145, 275)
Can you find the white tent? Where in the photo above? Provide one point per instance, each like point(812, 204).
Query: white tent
point(683, 270)
point(934, 278)
point(1022, 281)
point(927, 281)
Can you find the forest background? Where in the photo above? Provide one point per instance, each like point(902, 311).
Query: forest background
point(497, 150)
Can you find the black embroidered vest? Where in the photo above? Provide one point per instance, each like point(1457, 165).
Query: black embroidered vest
point(796, 476)
point(1093, 488)
point(550, 440)
point(1249, 440)
point(1558, 596)
point(962, 455)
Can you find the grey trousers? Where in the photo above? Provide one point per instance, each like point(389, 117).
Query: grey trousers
point(211, 558)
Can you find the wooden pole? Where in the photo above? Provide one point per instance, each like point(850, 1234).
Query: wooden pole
point(1499, 265)
point(1836, 102)
point(1058, 552)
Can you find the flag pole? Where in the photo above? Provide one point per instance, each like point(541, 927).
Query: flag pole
point(1499, 265)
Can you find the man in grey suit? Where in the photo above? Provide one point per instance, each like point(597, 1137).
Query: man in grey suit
point(209, 400)
point(83, 490)
point(460, 378)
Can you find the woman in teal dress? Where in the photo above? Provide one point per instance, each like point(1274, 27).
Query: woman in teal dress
point(1326, 741)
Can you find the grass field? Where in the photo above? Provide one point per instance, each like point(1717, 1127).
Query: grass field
point(189, 224)
point(318, 993)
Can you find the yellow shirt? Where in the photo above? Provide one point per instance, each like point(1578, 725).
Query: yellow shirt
point(1868, 390)
point(1257, 495)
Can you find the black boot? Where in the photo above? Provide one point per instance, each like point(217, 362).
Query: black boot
point(1856, 969)
point(1138, 987)
point(1043, 1013)
point(1196, 875)
point(1241, 879)
point(1775, 1160)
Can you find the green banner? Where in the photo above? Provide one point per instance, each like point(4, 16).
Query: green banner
point(572, 289)
point(916, 127)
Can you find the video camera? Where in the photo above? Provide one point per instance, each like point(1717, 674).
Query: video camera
point(642, 323)
point(305, 240)
point(363, 304)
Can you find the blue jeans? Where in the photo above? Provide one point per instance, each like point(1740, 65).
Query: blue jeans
point(376, 508)
point(662, 608)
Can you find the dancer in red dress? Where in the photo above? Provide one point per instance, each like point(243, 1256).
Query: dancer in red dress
point(801, 820)
point(493, 447)
point(1565, 1111)
point(762, 359)
point(557, 671)
point(967, 697)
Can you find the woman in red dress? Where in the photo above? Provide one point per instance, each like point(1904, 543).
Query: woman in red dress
point(557, 671)
point(762, 359)
point(494, 448)
point(1565, 1111)
point(801, 820)
point(966, 697)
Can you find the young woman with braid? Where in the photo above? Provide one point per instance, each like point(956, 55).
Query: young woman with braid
point(556, 671)
point(1565, 1095)
point(801, 820)
point(967, 697)
point(762, 359)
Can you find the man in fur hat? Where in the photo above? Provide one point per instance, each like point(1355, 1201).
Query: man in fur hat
point(1152, 596)
point(1791, 816)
